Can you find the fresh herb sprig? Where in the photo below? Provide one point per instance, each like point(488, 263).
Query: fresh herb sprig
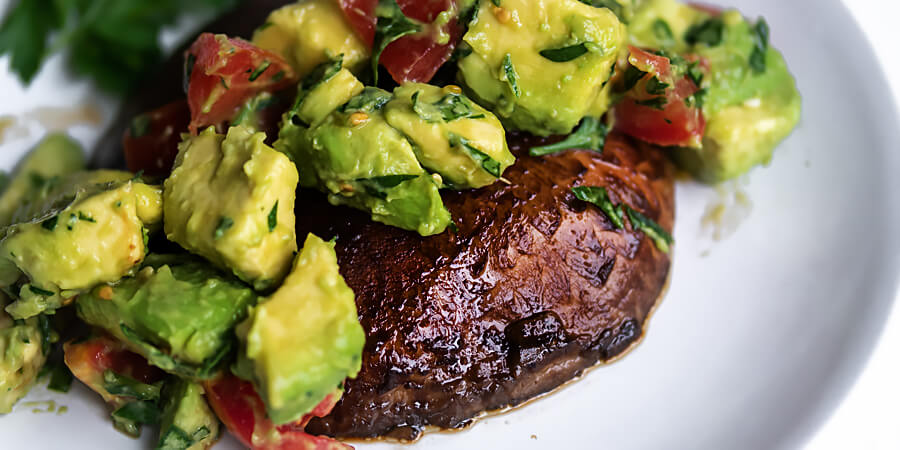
point(590, 135)
point(113, 42)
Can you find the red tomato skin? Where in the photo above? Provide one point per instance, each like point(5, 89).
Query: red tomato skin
point(240, 408)
point(225, 73)
point(154, 151)
point(361, 15)
point(650, 63)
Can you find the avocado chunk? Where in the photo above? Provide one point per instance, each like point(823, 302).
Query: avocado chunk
point(540, 65)
point(308, 33)
point(176, 312)
point(21, 356)
point(230, 199)
point(187, 422)
point(90, 229)
point(359, 160)
point(751, 102)
point(56, 155)
point(304, 339)
point(451, 135)
point(329, 86)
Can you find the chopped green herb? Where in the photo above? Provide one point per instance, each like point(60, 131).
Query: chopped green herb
point(660, 237)
point(129, 417)
point(511, 76)
point(655, 103)
point(598, 196)
point(695, 73)
point(273, 217)
point(663, 32)
point(378, 186)
point(175, 438)
point(708, 32)
point(761, 38)
point(370, 100)
point(631, 78)
point(391, 24)
point(449, 108)
point(140, 125)
point(224, 224)
point(47, 334)
point(696, 99)
point(223, 82)
point(125, 386)
point(496, 2)
point(60, 378)
point(259, 70)
point(490, 165)
point(50, 224)
point(590, 135)
point(85, 217)
point(656, 87)
point(565, 54)
point(70, 224)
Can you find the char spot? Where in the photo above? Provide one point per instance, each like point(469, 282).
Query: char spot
point(532, 339)
point(613, 342)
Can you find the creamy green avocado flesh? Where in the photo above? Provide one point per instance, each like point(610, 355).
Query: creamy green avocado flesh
point(177, 312)
point(541, 65)
point(356, 157)
point(72, 231)
point(21, 357)
point(230, 199)
point(187, 421)
point(305, 339)
point(749, 112)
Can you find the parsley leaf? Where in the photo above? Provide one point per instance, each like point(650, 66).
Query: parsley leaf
point(598, 196)
point(378, 186)
point(371, 99)
point(708, 32)
point(590, 135)
point(273, 217)
point(660, 237)
point(760, 33)
point(663, 32)
point(449, 108)
point(125, 386)
point(490, 165)
point(511, 76)
point(391, 25)
point(632, 76)
point(565, 54)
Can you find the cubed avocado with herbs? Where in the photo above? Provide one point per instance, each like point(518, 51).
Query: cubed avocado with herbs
point(305, 339)
point(187, 421)
point(750, 100)
point(308, 33)
point(55, 156)
point(451, 135)
point(92, 228)
point(22, 354)
point(360, 160)
point(230, 199)
point(540, 65)
point(177, 312)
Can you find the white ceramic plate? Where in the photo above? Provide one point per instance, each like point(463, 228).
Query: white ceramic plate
point(761, 333)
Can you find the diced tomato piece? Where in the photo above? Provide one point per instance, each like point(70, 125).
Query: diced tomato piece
point(414, 57)
point(668, 118)
point(224, 72)
point(241, 409)
point(361, 15)
point(90, 358)
point(151, 142)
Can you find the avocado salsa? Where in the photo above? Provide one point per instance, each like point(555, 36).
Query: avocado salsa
point(180, 291)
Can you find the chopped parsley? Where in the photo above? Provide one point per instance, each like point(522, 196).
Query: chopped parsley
point(449, 108)
point(663, 32)
point(60, 378)
point(260, 70)
point(660, 237)
point(632, 76)
point(38, 291)
point(760, 33)
point(708, 32)
point(511, 76)
point(391, 24)
point(125, 386)
point(598, 196)
point(273, 217)
point(224, 224)
point(490, 165)
point(565, 54)
point(590, 135)
point(656, 87)
point(378, 186)
point(85, 217)
point(50, 224)
point(695, 73)
point(370, 100)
